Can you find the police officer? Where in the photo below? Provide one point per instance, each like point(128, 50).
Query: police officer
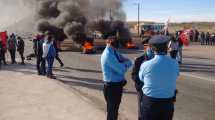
point(159, 76)
point(148, 55)
point(114, 66)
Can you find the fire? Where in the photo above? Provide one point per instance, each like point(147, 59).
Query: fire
point(88, 48)
point(131, 45)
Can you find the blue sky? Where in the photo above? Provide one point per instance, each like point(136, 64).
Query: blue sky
point(176, 10)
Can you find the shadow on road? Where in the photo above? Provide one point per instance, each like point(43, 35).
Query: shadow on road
point(193, 67)
point(83, 70)
point(91, 83)
point(25, 69)
point(197, 57)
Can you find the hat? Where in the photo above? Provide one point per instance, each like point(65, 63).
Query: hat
point(159, 39)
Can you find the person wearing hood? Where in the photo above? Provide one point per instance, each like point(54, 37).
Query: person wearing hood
point(49, 54)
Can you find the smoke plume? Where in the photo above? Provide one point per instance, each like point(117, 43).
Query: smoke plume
point(75, 19)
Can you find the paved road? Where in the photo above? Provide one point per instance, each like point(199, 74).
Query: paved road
point(196, 99)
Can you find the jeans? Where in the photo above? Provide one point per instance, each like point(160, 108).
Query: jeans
point(113, 95)
point(50, 61)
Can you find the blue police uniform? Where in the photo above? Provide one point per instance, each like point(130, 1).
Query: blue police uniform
point(114, 66)
point(159, 76)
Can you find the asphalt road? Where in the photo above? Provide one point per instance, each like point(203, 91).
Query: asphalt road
point(195, 101)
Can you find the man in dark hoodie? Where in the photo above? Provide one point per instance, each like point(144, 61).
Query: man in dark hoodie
point(38, 48)
point(21, 48)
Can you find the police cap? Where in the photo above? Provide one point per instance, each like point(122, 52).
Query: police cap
point(159, 39)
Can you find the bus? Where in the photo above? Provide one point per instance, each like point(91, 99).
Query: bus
point(148, 29)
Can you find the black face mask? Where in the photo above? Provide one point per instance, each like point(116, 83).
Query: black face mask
point(115, 44)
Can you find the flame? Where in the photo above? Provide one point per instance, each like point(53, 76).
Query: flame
point(130, 45)
point(87, 46)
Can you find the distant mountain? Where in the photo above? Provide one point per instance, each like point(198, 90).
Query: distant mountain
point(201, 26)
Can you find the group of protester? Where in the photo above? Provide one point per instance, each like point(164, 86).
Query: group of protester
point(46, 50)
point(207, 38)
point(154, 74)
point(14, 44)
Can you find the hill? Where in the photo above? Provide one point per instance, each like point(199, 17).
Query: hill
point(201, 26)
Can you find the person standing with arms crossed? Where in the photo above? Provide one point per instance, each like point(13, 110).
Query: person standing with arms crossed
point(114, 66)
point(159, 76)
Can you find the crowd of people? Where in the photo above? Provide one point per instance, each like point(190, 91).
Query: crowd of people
point(46, 50)
point(207, 38)
point(45, 47)
point(14, 44)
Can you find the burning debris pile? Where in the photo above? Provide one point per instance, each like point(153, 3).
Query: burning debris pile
point(117, 28)
point(77, 19)
point(72, 16)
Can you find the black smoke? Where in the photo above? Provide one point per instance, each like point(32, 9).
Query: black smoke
point(74, 19)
